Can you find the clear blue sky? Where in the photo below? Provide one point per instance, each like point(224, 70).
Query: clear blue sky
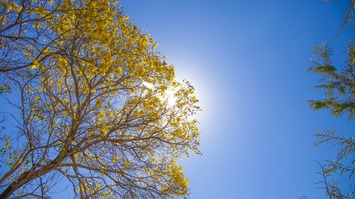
point(248, 61)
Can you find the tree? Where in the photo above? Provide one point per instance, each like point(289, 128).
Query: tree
point(339, 84)
point(93, 104)
point(348, 13)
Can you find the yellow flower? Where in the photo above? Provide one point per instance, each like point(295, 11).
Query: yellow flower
point(115, 159)
point(118, 71)
point(100, 115)
point(125, 164)
point(102, 131)
point(34, 64)
point(98, 102)
point(37, 25)
point(7, 144)
point(4, 20)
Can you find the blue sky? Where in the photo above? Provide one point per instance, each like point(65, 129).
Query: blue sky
point(248, 61)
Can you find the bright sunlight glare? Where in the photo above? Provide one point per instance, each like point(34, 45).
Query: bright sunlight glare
point(168, 97)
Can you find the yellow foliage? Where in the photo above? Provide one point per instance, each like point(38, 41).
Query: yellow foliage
point(115, 159)
point(103, 90)
point(34, 64)
point(7, 144)
point(125, 164)
point(98, 103)
point(3, 20)
point(100, 115)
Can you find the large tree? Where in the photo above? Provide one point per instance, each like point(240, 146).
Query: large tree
point(95, 105)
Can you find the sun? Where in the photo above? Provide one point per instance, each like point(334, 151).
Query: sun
point(170, 97)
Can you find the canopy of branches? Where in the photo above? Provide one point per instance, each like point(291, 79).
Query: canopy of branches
point(88, 92)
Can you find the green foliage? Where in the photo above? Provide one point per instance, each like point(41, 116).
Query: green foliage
point(332, 186)
point(349, 12)
point(339, 85)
